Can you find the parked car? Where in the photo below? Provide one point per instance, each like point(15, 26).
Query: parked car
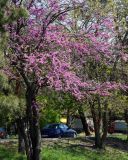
point(119, 126)
point(2, 133)
point(57, 130)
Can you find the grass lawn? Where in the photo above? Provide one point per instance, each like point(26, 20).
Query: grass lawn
point(118, 136)
point(10, 153)
point(83, 154)
point(65, 150)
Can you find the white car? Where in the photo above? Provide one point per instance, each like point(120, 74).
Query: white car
point(120, 126)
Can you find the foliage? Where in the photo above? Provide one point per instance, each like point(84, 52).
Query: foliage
point(118, 104)
point(53, 105)
point(9, 13)
point(49, 115)
point(11, 106)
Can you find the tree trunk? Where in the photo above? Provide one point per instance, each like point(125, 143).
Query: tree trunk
point(97, 124)
point(21, 144)
point(98, 141)
point(36, 135)
point(99, 115)
point(105, 122)
point(68, 118)
point(34, 129)
point(84, 121)
point(126, 120)
point(21, 127)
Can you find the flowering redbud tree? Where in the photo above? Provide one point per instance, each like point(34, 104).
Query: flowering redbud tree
point(100, 65)
point(39, 53)
point(42, 52)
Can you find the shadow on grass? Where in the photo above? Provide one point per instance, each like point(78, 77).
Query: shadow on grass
point(81, 149)
point(70, 149)
point(115, 142)
point(64, 149)
point(85, 146)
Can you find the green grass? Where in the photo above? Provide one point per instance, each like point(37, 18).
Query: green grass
point(78, 153)
point(10, 154)
point(65, 151)
point(119, 136)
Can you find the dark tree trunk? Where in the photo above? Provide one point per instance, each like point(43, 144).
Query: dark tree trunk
point(105, 120)
point(98, 116)
point(22, 134)
point(68, 118)
point(84, 121)
point(98, 141)
point(126, 120)
point(33, 121)
point(97, 124)
point(21, 144)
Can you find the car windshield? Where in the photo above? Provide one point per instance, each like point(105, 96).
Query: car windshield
point(51, 126)
point(63, 126)
point(55, 126)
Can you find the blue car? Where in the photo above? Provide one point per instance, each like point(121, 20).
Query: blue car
point(57, 130)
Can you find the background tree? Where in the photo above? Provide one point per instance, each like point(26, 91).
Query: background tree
point(12, 110)
point(100, 71)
